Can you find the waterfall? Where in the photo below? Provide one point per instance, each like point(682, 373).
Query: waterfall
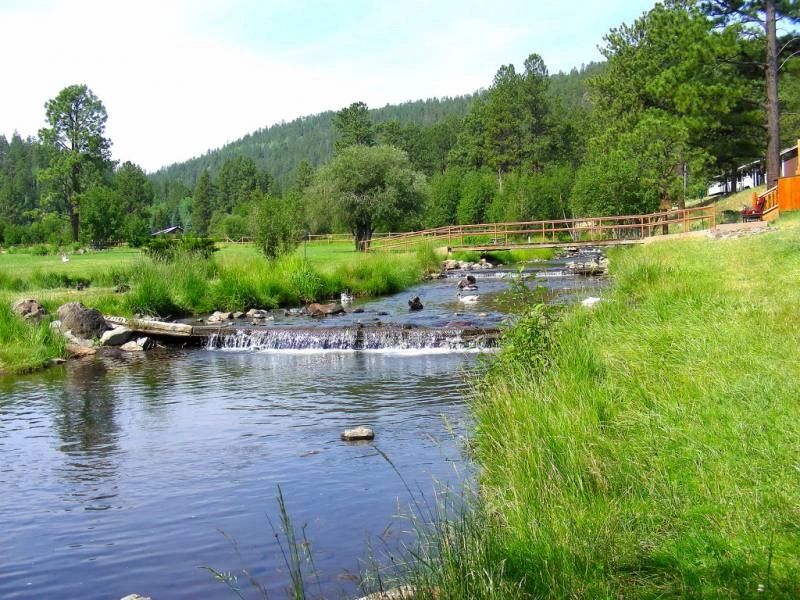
point(378, 339)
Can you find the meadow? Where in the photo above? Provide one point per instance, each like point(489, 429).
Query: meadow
point(646, 448)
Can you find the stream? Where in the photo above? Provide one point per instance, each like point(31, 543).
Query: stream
point(129, 474)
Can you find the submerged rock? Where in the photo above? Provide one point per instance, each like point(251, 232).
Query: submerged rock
point(415, 304)
point(77, 351)
point(29, 309)
point(404, 592)
point(84, 322)
point(359, 433)
point(140, 345)
point(256, 313)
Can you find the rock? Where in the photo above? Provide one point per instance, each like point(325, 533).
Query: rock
point(382, 313)
point(450, 265)
point(219, 317)
point(116, 337)
point(238, 315)
point(434, 276)
point(135, 597)
point(590, 302)
point(29, 309)
point(404, 592)
point(293, 312)
point(324, 310)
point(415, 304)
point(255, 313)
point(77, 341)
point(57, 361)
point(83, 322)
point(76, 351)
point(359, 433)
point(467, 282)
point(139, 345)
point(358, 311)
point(122, 288)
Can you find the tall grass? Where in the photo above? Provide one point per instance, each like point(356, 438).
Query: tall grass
point(648, 447)
point(26, 346)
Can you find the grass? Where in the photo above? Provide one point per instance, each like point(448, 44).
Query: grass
point(647, 448)
point(26, 346)
point(237, 278)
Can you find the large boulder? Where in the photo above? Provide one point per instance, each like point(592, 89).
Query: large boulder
point(83, 322)
point(29, 309)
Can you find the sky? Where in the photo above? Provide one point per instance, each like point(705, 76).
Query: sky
point(179, 77)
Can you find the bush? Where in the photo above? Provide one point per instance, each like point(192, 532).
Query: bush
point(275, 227)
point(168, 249)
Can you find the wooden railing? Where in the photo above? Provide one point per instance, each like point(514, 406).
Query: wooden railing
point(768, 201)
point(598, 230)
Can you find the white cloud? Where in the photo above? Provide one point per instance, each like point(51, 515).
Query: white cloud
point(173, 91)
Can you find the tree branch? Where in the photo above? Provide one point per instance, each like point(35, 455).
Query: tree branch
point(792, 55)
point(786, 45)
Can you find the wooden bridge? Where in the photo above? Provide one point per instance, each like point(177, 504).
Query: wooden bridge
point(594, 231)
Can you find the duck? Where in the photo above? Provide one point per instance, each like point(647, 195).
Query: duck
point(472, 299)
point(64, 258)
point(347, 298)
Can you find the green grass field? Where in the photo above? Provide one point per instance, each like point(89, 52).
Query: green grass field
point(647, 448)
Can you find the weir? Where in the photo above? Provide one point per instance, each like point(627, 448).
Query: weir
point(364, 338)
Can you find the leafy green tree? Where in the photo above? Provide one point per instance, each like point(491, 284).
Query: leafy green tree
point(202, 204)
point(79, 150)
point(275, 227)
point(369, 187)
point(102, 215)
point(478, 189)
point(760, 17)
point(442, 203)
point(354, 126)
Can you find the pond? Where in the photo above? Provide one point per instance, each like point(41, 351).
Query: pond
point(127, 475)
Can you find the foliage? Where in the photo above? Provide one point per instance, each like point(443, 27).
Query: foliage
point(79, 150)
point(369, 187)
point(353, 126)
point(275, 228)
point(203, 204)
point(170, 248)
point(26, 346)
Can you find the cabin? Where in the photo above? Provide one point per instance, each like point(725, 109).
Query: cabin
point(783, 197)
point(174, 230)
point(754, 174)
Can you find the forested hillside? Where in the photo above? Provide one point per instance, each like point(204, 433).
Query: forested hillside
point(278, 149)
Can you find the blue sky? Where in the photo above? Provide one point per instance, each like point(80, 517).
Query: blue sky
point(180, 77)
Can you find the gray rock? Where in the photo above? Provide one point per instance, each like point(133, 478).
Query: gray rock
point(450, 265)
point(135, 597)
point(83, 322)
point(359, 433)
point(238, 315)
point(219, 316)
point(255, 313)
point(131, 346)
point(28, 308)
point(116, 337)
point(324, 310)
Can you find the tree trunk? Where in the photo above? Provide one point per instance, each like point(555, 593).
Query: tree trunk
point(734, 180)
point(73, 220)
point(363, 237)
point(773, 109)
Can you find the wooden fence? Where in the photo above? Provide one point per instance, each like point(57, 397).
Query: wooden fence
point(561, 232)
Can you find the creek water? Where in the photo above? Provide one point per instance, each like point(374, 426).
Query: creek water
point(128, 474)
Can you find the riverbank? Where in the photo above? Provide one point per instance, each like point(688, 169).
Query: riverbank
point(124, 282)
point(646, 447)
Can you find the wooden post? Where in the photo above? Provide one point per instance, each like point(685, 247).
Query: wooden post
point(797, 172)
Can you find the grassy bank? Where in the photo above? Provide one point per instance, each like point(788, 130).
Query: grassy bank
point(125, 282)
point(646, 448)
